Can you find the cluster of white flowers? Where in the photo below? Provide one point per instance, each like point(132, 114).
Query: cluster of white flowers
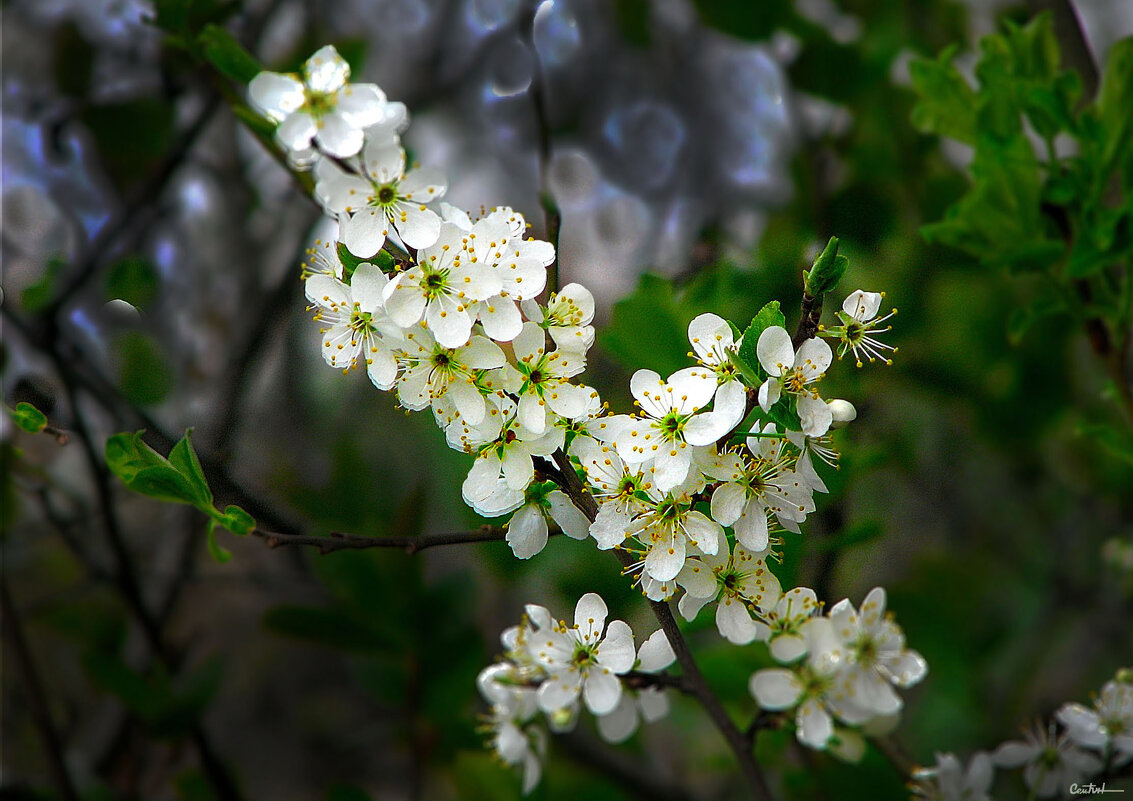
point(454, 315)
point(549, 667)
point(1069, 756)
point(843, 668)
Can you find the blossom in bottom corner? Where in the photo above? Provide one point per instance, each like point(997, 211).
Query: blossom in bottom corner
point(948, 780)
point(1051, 762)
point(585, 658)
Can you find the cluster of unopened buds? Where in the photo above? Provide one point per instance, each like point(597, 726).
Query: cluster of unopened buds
point(1072, 755)
point(454, 315)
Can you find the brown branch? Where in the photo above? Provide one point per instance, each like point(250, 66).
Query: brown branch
point(895, 754)
point(341, 541)
point(809, 319)
point(36, 697)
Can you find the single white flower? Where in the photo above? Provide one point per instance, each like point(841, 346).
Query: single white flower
point(432, 371)
point(860, 327)
point(795, 373)
point(813, 686)
point(949, 781)
point(668, 527)
point(1108, 726)
point(757, 484)
point(319, 106)
point(511, 732)
point(380, 196)
point(585, 658)
point(1051, 762)
point(878, 658)
point(673, 420)
point(541, 380)
point(616, 487)
point(734, 578)
point(441, 289)
point(785, 620)
point(567, 317)
point(356, 323)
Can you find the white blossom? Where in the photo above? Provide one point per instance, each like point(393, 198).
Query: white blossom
point(585, 659)
point(567, 317)
point(320, 107)
point(860, 327)
point(949, 781)
point(649, 703)
point(795, 373)
point(1108, 726)
point(1051, 762)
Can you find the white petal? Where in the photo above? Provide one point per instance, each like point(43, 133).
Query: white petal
point(655, 653)
point(590, 616)
point(362, 104)
point(651, 392)
point(364, 232)
point(691, 389)
point(734, 621)
point(527, 532)
point(616, 653)
point(417, 226)
point(338, 137)
point(275, 95)
point(751, 528)
point(559, 691)
point(326, 70)
point(601, 692)
point(449, 325)
point(619, 724)
point(665, 560)
point(728, 503)
point(708, 332)
point(815, 726)
point(775, 688)
point(384, 161)
point(704, 533)
point(423, 186)
point(532, 413)
point(501, 319)
point(482, 478)
point(862, 306)
point(572, 521)
point(610, 526)
point(814, 357)
point(297, 131)
point(774, 350)
point(482, 354)
point(815, 415)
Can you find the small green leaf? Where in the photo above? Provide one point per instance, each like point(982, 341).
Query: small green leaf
point(29, 418)
point(767, 317)
point(1115, 99)
point(184, 458)
point(237, 521)
point(147, 472)
point(127, 455)
point(385, 261)
point(228, 55)
point(142, 372)
point(216, 550)
point(827, 271)
point(784, 415)
point(350, 262)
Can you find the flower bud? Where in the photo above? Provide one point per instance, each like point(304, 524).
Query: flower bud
point(843, 412)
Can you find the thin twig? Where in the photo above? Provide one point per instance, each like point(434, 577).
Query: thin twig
point(36, 697)
point(341, 541)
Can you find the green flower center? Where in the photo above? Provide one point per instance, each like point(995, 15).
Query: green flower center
point(319, 104)
point(362, 322)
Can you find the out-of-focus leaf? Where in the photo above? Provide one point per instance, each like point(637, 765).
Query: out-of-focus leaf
point(229, 57)
point(38, 296)
point(947, 104)
point(217, 551)
point(331, 628)
point(1115, 99)
point(131, 136)
point(134, 280)
point(143, 375)
point(647, 331)
point(29, 418)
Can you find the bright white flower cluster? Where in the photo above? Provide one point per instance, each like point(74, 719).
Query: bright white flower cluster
point(844, 669)
point(551, 667)
point(454, 315)
point(1072, 755)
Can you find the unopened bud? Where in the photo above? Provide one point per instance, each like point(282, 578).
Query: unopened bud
point(843, 412)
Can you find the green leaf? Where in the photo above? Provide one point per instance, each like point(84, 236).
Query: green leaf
point(229, 57)
point(134, 280)
point(647, 330)
point(131, 136)
point(237, 521)
point(184, 458)
point(164, 483)
point(127, 455)
point(385, 261)
point(947, 101)
point(147, 472)
point(330, 628)
point(1115, 99)
point(767, 317)
point(350, 262)
point(29, 418)
point(142, 372)
point(216, 550)
point(38, 296)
